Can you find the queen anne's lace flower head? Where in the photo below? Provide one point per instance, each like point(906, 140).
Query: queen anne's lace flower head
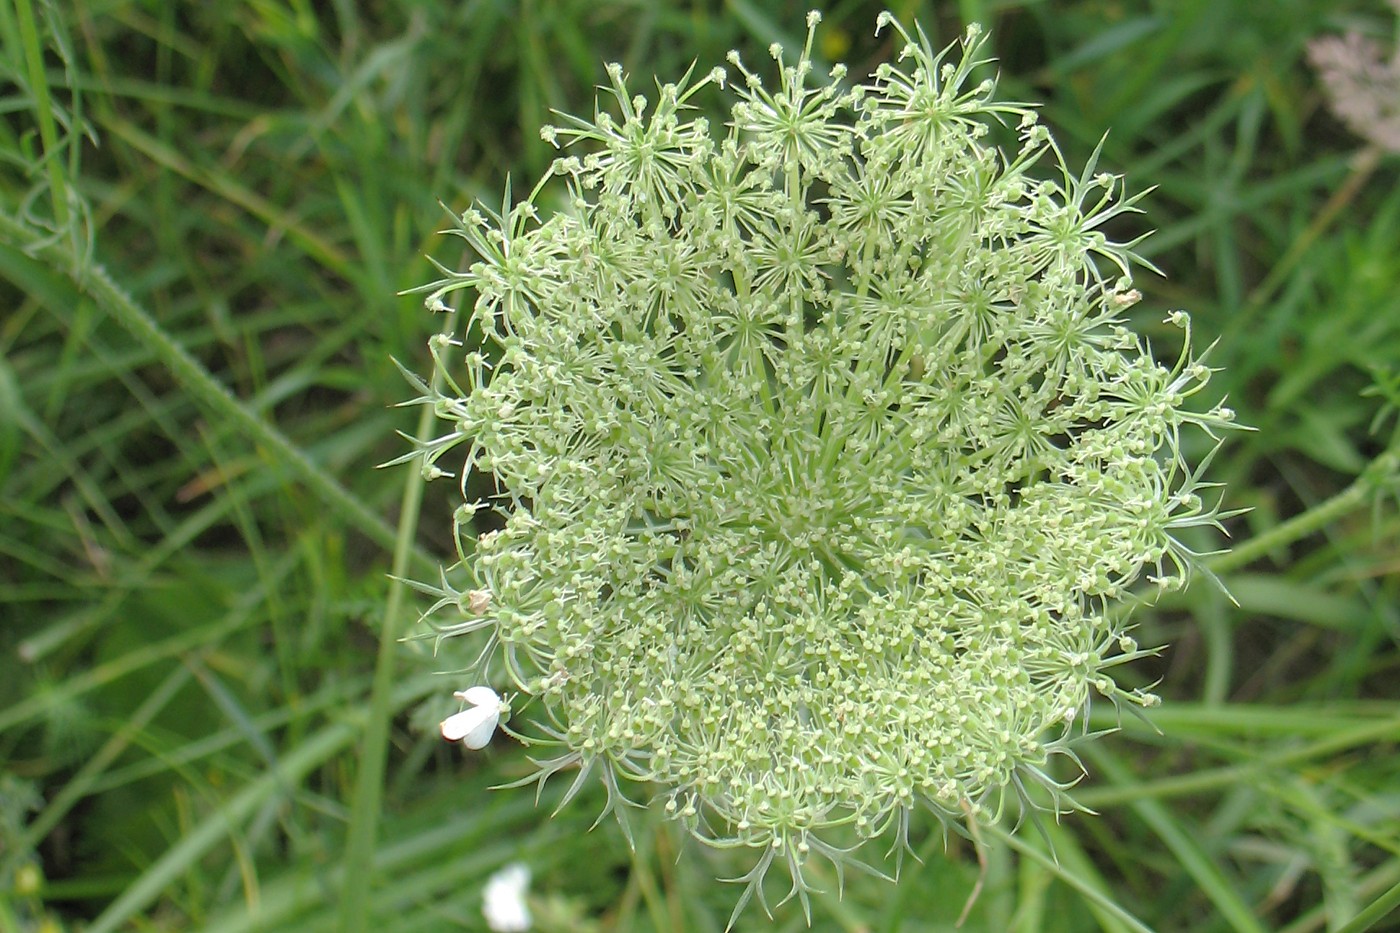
point(824, 457)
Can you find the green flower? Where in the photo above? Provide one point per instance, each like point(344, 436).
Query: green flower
point(824, 458)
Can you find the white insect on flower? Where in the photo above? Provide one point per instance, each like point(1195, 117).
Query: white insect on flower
point(477, 723)
point(503, 902)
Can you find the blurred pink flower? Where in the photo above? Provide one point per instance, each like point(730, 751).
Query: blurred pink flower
point(1362, 84)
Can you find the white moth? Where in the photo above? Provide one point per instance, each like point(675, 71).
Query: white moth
point(477, 723)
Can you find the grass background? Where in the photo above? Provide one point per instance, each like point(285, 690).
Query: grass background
point(207, 717)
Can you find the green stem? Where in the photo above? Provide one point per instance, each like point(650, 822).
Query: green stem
point(43, 110)
point(1363, 166)
point(219, 825)
point(94, 281)
point(357, 882)
point(645, 881)
point(1381, 471)
point(80, 784)
point(1378, 910)
point(1097, 898)
point(1203, 781)
point(1317, 917)
point(1202, 865)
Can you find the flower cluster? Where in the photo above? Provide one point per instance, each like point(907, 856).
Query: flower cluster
point(824, 455)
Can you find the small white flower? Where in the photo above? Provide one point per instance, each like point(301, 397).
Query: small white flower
point(475, 724)
point(503, 902)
